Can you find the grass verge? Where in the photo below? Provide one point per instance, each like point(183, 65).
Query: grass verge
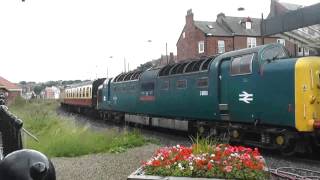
point(61, 137)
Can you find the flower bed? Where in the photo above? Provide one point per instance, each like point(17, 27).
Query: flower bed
point(216, 161)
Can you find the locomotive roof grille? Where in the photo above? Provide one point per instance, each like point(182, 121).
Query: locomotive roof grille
point(190, 66)
point(128, 76)
point(205, 65)
point(186, 67)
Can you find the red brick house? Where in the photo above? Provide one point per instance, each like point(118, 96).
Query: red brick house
point(203, 38)
point(11, 89)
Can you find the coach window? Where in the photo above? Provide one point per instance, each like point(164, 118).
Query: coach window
point(147, 89)
point(87, 92)
point(242, 65)
point(181, 84)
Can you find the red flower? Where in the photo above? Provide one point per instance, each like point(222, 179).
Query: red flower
point(209, 166)
point(156, 163)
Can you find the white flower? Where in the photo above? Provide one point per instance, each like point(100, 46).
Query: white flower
point(178, 146)
point(191, 168)
point(212, 155)
point(180, 166)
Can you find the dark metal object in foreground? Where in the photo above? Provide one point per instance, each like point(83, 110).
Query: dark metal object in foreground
point(27, 164)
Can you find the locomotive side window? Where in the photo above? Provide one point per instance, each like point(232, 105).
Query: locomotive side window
point(181, 84)
point(165, 85)
point(147, 89)
point(202, 82)
point(242, 65)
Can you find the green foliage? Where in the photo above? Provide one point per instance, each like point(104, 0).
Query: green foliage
point(203, 145)
point(60, 136)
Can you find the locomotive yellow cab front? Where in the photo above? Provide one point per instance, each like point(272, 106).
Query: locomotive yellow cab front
point(307, 94)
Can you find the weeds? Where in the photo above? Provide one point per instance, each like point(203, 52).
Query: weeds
point(59, 136)
point(202, 144)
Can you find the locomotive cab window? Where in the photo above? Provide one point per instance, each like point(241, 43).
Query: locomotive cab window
point(242, 64)
point(274, 53)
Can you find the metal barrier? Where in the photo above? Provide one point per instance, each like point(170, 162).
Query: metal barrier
point(10, 128)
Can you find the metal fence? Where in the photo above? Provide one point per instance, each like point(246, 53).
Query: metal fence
point(10, 129)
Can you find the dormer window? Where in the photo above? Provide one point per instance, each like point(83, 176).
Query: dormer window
point(184, 35)
point(248, 25)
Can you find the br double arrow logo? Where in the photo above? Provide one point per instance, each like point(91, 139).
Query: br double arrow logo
point(245, 97)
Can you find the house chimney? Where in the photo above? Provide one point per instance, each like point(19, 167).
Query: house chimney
point(171, 57)
point(189, 17)
point(220, 17)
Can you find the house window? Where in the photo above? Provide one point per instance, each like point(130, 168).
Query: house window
point(281, 41)
point(184, 35)
point(210, 26)
point(221, 46)
point(251, 42)
point(201, 46)
point(248, 25)
point(241, 64)
point(303, 51)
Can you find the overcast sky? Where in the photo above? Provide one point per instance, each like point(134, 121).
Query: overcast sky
point(42, 40)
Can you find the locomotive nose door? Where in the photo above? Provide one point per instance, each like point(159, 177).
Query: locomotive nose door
point(237, 96)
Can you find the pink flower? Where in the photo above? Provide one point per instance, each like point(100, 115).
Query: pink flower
point(228, 168)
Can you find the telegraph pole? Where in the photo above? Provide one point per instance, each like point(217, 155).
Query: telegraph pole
point(124, 63)
point(167, 53)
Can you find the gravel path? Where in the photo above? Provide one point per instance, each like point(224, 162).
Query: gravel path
point(102, 166)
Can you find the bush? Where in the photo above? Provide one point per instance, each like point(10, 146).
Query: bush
point(61, 136)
